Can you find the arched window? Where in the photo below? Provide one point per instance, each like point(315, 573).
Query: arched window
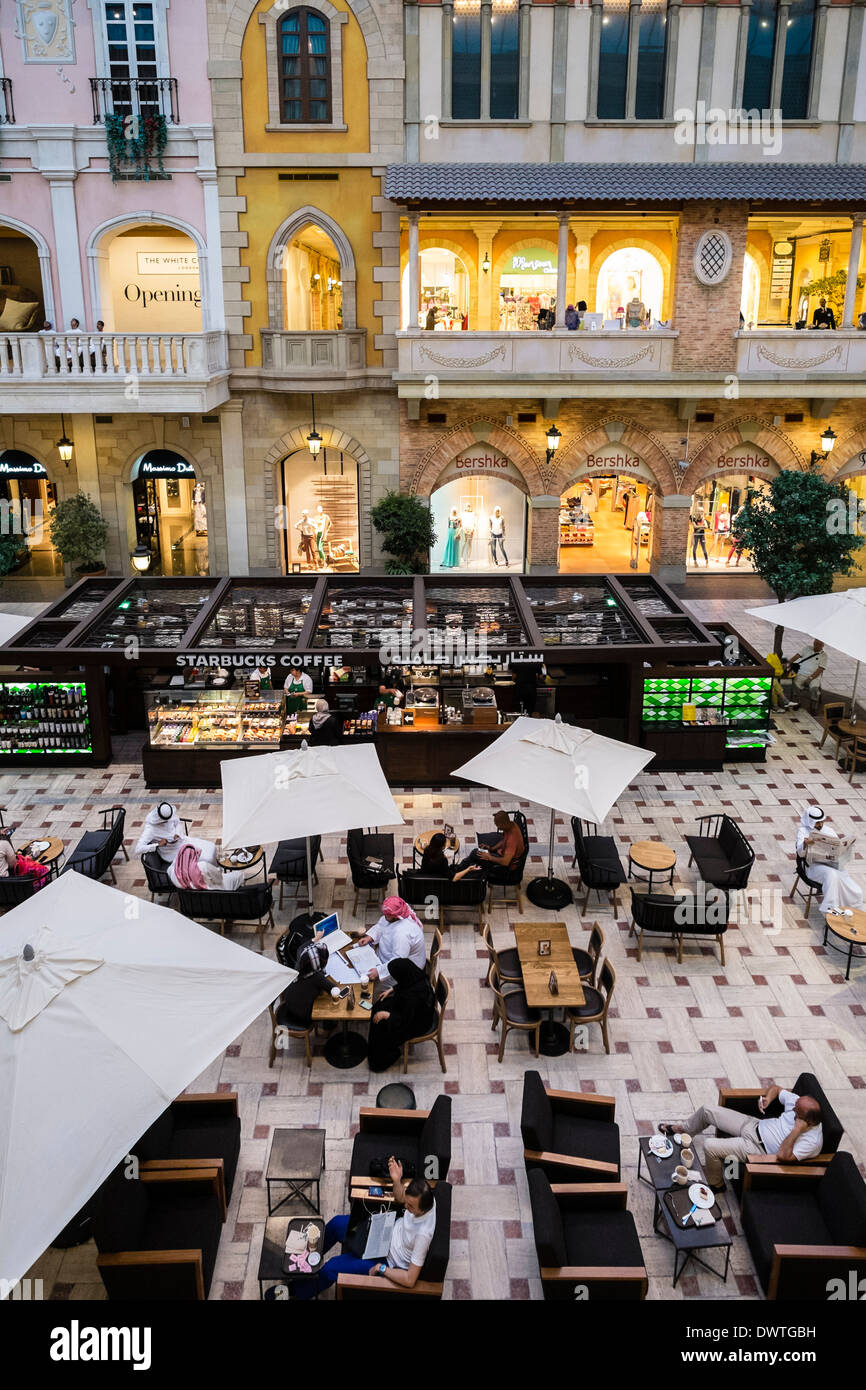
point(305, 67)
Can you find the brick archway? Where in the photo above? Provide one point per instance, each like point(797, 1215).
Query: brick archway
point(332, 438)
point(731, 437)
point(848, 449)
point(466, 436)
point(572, 462)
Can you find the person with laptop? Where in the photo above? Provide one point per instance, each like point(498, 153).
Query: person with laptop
point(398, 933)
point(406, 1239)
point(824, 864)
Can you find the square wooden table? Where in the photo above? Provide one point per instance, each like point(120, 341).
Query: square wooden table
point(345, 1048)
point(553, 1037)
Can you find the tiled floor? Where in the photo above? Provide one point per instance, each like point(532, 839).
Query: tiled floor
point(780, 1006)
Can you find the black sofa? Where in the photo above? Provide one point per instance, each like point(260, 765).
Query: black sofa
point(205, 1128)
point(585, 1238)
point(432, 1277)
point(807, 1084)
point(421, 1138)
point(251, 905)
point(289, 864)
point(598, 863)
point(721, 852)
point(805, 1228)
point(15, 889)
point(417, 888)
point(156, 873)
point(676, 916)
point(96, 849)
point(571, 1136)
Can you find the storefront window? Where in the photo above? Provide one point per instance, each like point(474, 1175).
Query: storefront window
point(21, 303)
point(320, 512)
point(714, 507)
point(630, 287)
point(27, 500)
point(312, 283)
point(170, 505)
point(150, 283)
point(650, 86)
point(761, 42)
point(856, 484)
point(444, 292)
point(466, 63)
point(751, 297)
point(605, 525)
point(480, 525)
point(504, 61)
point(527, 290)
point(799, 31)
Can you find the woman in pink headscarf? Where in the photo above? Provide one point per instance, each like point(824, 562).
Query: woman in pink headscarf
point(398, 933)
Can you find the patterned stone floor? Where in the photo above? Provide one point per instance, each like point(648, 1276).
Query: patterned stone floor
point(780, 1006)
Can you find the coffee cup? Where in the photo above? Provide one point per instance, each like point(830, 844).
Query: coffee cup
point(687, 1157)
point(681, 1175)
point(686, 1140)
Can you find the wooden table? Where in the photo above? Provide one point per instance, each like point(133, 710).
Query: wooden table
point(653, 856)
point(848, 732)
point(452, 845)
point(50, 857)
point(553, 1037)
point(851, 929)
point(225, 860)
point(344, 1049)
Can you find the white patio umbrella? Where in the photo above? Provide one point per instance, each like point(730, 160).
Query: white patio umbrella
point(109, 1007)
point(11, 624)
point(563, 766)
point(302, 792)
point(838, 620)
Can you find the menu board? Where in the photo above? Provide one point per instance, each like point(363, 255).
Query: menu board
point(780, 277)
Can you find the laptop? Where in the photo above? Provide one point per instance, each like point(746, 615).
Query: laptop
point(335, 939)
point(379, 1236)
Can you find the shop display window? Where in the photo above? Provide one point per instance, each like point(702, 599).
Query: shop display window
point(480, 525)
point(320, 512)
point(721, 499)
point(605, 524)
point(444, 288)
point(588, 615)
point(258, 617)
point(630, 289)
point(50, 717)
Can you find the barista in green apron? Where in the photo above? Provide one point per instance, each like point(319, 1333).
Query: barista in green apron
point(391, 687)
point(297, 687)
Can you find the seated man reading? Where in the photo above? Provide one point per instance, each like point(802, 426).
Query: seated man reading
point(503, 852)
point(794, 1136)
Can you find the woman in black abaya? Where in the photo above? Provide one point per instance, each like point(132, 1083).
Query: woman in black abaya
point(409, 1011)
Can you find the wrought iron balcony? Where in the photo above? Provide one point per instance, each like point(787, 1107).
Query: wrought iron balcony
point(139, 96)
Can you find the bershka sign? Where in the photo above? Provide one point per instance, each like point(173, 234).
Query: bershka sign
point(485, 462)
point(614, 459)
point(744, 461)
point(248, 660)
point(482, 461)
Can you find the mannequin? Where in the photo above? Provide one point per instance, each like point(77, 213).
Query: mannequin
point(452, 545)
point(497, 534)
point(467, 535)
point(308, 537)
point(199, 510)
point(635, 312)
point(721, 525)
point(322, 523)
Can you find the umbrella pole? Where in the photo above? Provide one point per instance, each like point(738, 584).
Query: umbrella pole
point(550, 852)
point(309, 874)
point(854, 691)
point(549, 893)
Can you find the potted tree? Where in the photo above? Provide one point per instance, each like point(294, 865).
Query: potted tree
point(79, 532)
point(406, 527)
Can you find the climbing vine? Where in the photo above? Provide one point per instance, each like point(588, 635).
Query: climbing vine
point(136, 142)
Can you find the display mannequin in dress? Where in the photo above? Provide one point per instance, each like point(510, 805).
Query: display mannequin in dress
point(721, 526)
point(467, 534)
point(322, 523)
point(451, 558)
point(497, 534)
point(199, 510)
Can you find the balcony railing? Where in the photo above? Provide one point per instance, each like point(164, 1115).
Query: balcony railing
point(140, 96)
point(470, 356)
point(7, 110)
point(304, 354)
point(789, 353)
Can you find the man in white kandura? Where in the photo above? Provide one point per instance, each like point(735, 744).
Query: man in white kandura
point(163, 831)
point(398, 932)
point(840, 889)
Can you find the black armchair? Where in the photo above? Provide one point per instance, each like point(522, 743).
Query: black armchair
point(432, 1277)
point(204, 1128)
point(289, 863)
point(358, 848)
point(721, 852)
point(156, 873)
point(421, 1138)
point(598, 863)
point(678, 915)
point(250, 905)
point(584, 1236)
point(806, 1227)
point(96, 849)
point(570, 1136)
point(416, 888)
point(511, 877)
point(16, 889)
point(158, 1234)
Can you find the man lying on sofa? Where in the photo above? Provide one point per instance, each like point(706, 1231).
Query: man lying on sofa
point(794, 1136)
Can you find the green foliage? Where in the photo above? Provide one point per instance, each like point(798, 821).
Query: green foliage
point(135, 146)
point(78, 531)
point(406, 527)
point(794, 547)
point(13, 552)
point(833, 286)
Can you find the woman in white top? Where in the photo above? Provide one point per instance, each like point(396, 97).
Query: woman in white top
point(840, 890)
point(163, 831)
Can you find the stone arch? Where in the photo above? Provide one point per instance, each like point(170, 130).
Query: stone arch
point(732, 436)
point(208, 470)
point(103, 234)
point(43, 251)
point(465, 436)
point(332, 438)
point(572, 461)
point(849, 448)
point(238, 14)
point(305, 217)
point(429, 242)
point(763, 265)
point(638, 243)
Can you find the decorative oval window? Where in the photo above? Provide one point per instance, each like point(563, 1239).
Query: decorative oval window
point(713, 256)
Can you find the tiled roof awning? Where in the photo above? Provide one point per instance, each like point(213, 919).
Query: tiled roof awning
point(552, 185)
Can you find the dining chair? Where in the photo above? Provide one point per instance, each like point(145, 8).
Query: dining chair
point(433, 958)
point(587, 961)
point(511, 1010)
point(441, 990)
point(832, 712)
point(288, 1032)
point(507, 962)
point(596, 1006)
point(855, 754)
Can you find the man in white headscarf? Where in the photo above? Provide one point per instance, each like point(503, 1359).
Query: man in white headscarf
point(163, 832)
point(840, 890)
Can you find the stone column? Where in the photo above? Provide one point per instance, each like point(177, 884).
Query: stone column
point(853, 268)
point(414, 272)
point(65, 221)
point(447, 56)
point(485, 317)
point(524, 18)
point(594, 52)
point(583, 235)
point(486, 16)
point(779, 55)
point(561, 270)
point(544, 535)
point(672, 515)
point(84, 457)
point(631, 71)
point(742, 45)
point(232, 442)
point(673, 37)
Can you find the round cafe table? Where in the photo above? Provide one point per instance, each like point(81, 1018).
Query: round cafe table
point(50, 857)
point(654, 857)
point(422, 840)
point(851, 930)
point(225, 860)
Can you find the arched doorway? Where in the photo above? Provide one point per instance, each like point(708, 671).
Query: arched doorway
point(444, 291)
point(527, 289)
point(170, 506)
point(480, 515)
point(746, 469)
point(312, 282)
point(27, 499)
point(607, 513)
point(149, 280)
point(750, 299)
point(630, 274)
point(321, 512)
point(852, 476)
point(22, 304)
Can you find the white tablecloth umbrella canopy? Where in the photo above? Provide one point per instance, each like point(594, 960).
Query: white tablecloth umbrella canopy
point(563, 766)
point(109, 1007)
point(302, 792)
point(838, 620)
point(10, 625)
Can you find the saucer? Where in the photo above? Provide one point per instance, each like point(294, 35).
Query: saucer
point(701, 1195)
point(661, 1146)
